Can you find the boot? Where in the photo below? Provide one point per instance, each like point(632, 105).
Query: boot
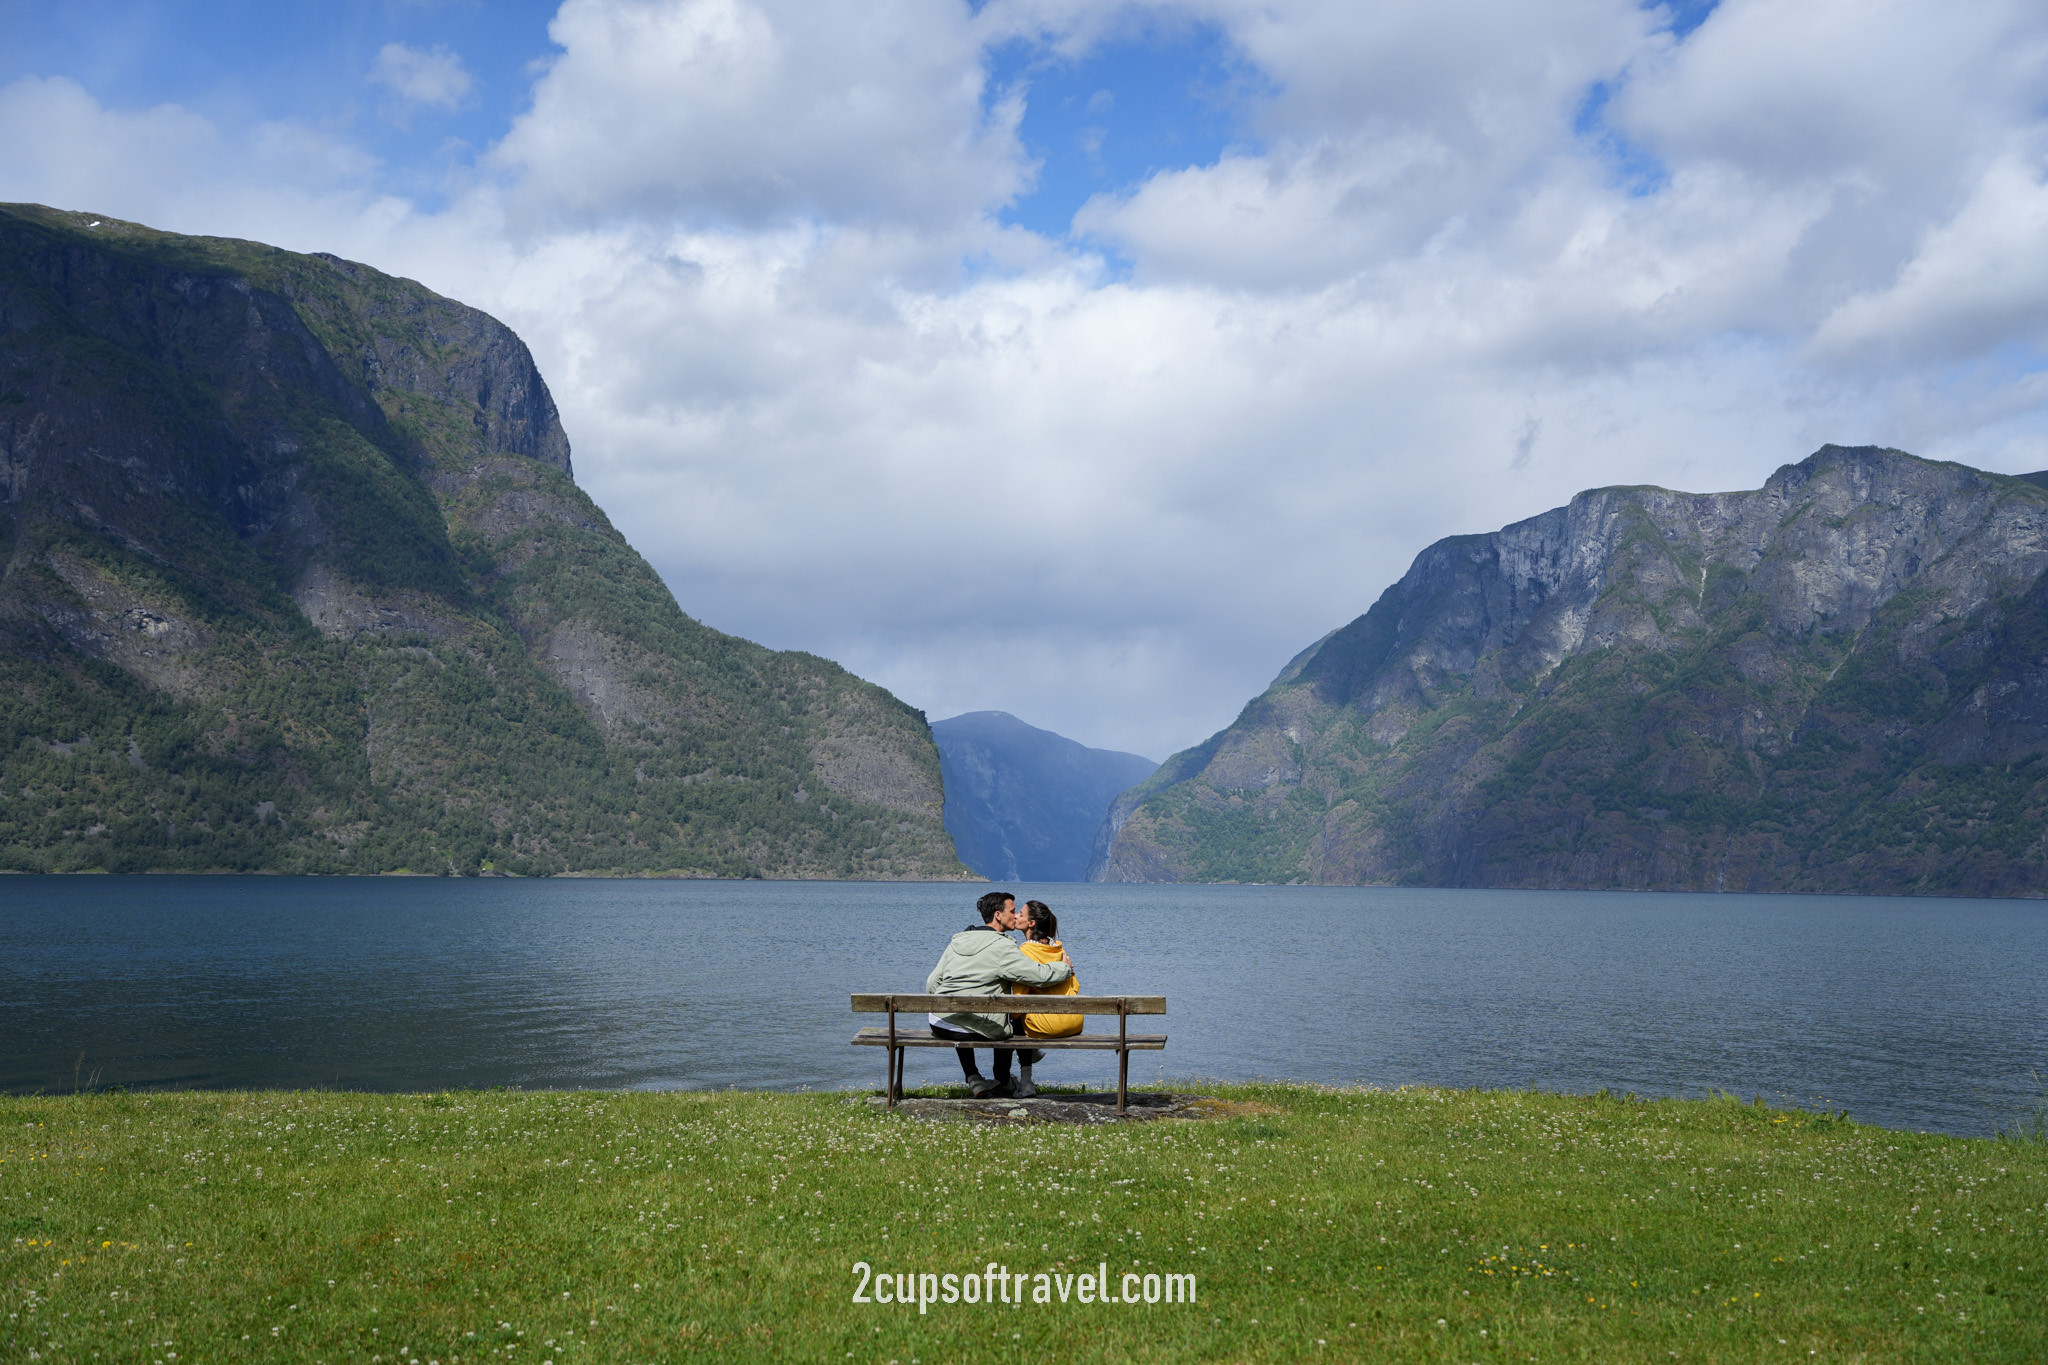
point(980, 1087)
point(1023, 1089)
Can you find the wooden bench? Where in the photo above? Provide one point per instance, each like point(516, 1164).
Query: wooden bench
point(896, 1037)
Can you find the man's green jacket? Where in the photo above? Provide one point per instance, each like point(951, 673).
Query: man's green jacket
point(983, 961)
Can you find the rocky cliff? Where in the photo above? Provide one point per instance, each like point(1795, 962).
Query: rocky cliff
point(1023, 804)
point(1837, 682)
point(297, 578)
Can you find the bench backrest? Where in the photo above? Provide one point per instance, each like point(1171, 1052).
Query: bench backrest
point(1010, 1004)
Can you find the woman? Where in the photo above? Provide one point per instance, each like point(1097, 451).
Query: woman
point(1041, 944)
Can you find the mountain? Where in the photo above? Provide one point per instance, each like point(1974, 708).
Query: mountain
point(1837, 682)
point(297, 578)
point(1023, 804)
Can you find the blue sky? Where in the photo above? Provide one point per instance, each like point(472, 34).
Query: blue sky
point(1354, 277)
point(1155, 92)
point(238, 62)
point(1158, 93)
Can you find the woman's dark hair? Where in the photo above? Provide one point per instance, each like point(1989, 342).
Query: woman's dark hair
point(1044, 924)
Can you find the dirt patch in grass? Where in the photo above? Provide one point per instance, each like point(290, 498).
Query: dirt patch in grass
point(1139, 1107)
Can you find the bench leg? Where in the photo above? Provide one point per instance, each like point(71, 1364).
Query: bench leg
point(900, 1053)
point(1123, 1076)
point(889, 1077)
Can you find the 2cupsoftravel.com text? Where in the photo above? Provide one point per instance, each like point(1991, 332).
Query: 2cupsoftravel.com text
point(996, 1284)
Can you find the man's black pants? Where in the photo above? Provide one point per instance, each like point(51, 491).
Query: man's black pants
point(966, 1054)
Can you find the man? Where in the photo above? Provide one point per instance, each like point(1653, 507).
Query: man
point(981, 960)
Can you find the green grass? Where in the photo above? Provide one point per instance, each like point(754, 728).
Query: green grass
point(1417, 1224)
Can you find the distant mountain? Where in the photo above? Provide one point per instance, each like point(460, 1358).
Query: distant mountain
point(1837, 682)
point(1023, 804)
point(297, 579)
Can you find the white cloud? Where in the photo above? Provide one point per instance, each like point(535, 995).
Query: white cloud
point(433, 78)
point(752, 244)
point(1879, 90)
point(1976, 283)
point(1890, 110)
point(62, 148)
point(177, 169)
point(724, 111)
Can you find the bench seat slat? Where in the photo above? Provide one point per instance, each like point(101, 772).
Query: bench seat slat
point(1080, 1042)
point(1009, 1004)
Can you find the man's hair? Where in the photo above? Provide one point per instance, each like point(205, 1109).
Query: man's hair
point(990, 903)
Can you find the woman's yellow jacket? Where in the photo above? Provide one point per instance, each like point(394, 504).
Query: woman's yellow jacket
point(1050, 1025)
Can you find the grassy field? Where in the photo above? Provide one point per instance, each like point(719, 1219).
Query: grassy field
point(1320, 1225)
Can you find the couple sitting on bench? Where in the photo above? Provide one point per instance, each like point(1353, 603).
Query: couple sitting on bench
point(982, 960)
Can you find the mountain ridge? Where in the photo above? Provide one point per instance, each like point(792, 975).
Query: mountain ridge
point(297, 578)
point(1827, 683)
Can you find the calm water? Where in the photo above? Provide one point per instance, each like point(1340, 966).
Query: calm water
point(1913, 1013)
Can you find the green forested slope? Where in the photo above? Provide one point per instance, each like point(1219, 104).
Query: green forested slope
point(297, 578)
point(1838, 682)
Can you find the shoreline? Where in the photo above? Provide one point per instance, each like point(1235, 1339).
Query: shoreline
point(2034, 1122)
point(975, 880)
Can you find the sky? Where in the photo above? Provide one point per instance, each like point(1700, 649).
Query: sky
point(1085, 359)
